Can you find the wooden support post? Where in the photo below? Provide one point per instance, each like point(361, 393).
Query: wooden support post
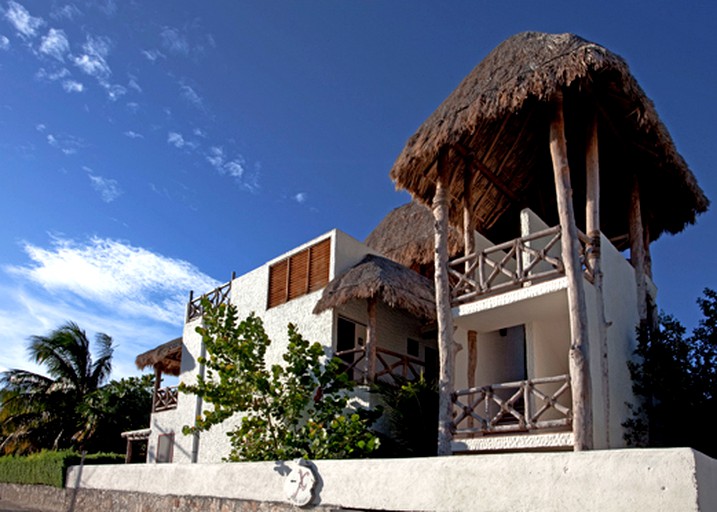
point(443, 313)
point(128, 454)
point(472, 364)
point(157, 384)
point(578, 358)
point(468, 228)
point(637, 250)
point(371, 341)
point(594, 257)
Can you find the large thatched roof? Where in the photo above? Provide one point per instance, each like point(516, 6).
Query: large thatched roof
point(375, 277)
point(498, 120)
point(406, 236)
point(167, 357)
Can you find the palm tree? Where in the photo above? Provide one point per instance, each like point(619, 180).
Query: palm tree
point(41, 411)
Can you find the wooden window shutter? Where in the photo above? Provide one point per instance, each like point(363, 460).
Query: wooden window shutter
point(299, 274)
point(278, 273)
point(319, 265)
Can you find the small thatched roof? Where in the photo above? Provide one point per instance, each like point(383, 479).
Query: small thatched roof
point(375, 277)
point(167, 357)
point(406, 236)
point(498, 120)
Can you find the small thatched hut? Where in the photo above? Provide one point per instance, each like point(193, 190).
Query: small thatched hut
point(166, 358)
point(378, 278)
point(406, 235)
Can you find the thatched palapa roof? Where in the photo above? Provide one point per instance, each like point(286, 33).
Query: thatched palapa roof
point(166, 357)
point(498, 121)
point(406, 236)
point(375, 277)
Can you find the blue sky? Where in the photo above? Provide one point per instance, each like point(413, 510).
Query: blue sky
point(150, 148)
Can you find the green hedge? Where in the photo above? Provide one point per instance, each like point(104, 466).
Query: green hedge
point(48, 467)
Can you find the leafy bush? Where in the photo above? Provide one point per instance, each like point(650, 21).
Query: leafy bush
point(300, 409)
point(675, 380)
point(48, 467)
point(412, 413)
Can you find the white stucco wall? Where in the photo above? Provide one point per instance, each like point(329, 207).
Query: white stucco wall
point(249, 293)
point(664, 480)
point(620, 299)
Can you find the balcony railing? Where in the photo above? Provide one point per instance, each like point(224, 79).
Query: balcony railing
point(518, 406)
point(511, 265)
point(165, 399)
point(390, 366)
point(217, 296)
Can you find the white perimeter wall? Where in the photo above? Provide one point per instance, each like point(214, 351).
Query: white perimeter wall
point(677, 479)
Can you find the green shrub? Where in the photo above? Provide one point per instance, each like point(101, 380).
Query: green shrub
point(48, 467)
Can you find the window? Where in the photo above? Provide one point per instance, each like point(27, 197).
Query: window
point(299, 274)
point(165, 447)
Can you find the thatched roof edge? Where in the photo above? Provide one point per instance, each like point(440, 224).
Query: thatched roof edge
point(376, 277)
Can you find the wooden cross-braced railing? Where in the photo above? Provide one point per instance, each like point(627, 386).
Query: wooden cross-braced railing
point(390, 365)
point(165, 399)
point(394, 365)
point(512, 264)
point(219, 295)
point(512, 406)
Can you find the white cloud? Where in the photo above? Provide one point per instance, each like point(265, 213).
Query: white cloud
point(55, 44)
point(133, 84)
point(68, 144)
point(199, 133)
point(108, 189)
point(21, 19)
point(300, 197)
point(133, 106)
point(72, 86)
point(176, 140)
point(216, 157)
point(123, 278)
point(114, 91)
point(133, 135)
point(93, 59)
point(235, 168)
point(43, 74)
point(40, 127)
point(67, 11)
point(153, 54)
point(173, 41)
point(189, 94)
point(4, 43)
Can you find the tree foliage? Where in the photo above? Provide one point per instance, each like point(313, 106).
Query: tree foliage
point(411, 408)
point(72, 406)
point(298, 409)
point(675, 378)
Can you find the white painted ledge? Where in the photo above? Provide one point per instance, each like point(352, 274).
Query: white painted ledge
point(611, 480)
point(516, 442)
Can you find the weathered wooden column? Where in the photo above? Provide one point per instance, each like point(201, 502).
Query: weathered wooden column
point(443, 313)
point(468, 226)
point(371, 341)
point(578, 357)
point(157, 384)
point(472, 364)
point(594, 257)
point(637, 250)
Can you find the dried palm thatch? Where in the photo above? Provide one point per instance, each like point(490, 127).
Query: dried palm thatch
point(375, 277)
point(406, 236)
point(497, 123)
point(166, 357)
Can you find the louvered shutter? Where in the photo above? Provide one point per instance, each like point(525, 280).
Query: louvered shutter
point(278, 273)
point(319, 265)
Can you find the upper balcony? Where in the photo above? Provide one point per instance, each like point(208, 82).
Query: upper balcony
point(515, 264)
